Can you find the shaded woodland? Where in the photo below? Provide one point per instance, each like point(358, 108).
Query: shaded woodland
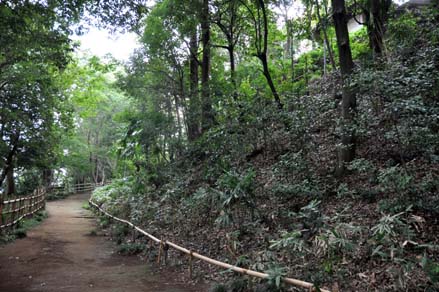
point(298, 138)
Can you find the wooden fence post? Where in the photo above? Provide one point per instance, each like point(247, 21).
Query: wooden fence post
point(43, 197)
point(37, 200)
point(40, 194)
point(32, 202)
point(190, 264)
point(20, 205)
point(160, 252)
point(29, 204)
point(14, 212)
point(1, 209)
point(134, 235)
point(165, 249)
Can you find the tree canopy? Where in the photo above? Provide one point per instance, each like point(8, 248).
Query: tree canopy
point(294, 137)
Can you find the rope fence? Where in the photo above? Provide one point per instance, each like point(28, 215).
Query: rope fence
point(165, 244)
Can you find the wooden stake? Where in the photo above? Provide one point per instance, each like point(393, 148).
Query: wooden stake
point(14, 213)
point(190, 265)
point(133, 235)
point(160, 252)
point(1, 210)
point(165, 249)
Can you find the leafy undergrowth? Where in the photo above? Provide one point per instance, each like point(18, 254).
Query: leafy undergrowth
point(259, 190)
point(20, 230)
point(57, 196)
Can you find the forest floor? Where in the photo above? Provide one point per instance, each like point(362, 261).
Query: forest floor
point(65, 253)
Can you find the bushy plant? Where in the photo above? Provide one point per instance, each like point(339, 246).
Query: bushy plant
point(236, 193)
point(131, 248)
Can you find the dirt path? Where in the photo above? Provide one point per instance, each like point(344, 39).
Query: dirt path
point(61, 255)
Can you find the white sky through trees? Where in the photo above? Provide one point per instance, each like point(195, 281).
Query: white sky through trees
point(101, 42)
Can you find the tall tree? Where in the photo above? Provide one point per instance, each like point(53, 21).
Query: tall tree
point(323, 24)
point(259, 16)
point(379, 10)
point(194, 101)
point(347, 150)
point(207, 115)
point(34, 47)
point(229, 20)
point(179, 23)
point(285, 6)
point(376, 13)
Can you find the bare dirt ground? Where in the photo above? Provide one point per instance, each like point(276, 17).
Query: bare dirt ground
point(62, 255)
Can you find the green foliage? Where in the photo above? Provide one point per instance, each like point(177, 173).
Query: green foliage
point(218, 288)
point(28, 180)
point(291, 241)
point(337, 240)
point(360, 45)
point(104, 222)
point(23, 227)
point(343, 191)
point(91, 147)
point(259, 183)
point(275, 275)
point(116, 189)
point(394, 179)
point(293, 164)
point(131, 248)
point(119, 232)
point(431, 268)
point(115, 196)
point(34, 49)
point(403, 30)
point(238, 188)
point(236, 191)
point(390, 227)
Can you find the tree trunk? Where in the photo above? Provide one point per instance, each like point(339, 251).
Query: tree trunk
point(379, 10)
point(262, 55)
point(325, 36)
point(306, 72)
point(231, 50)
point(347, 151)
point(207, 117)
point(168, 148)
point(47, 175)
point(292, 52)
point(177, 114)
point(10, 181)
point(266, 72)
point(9, 158)
point(194, 102)
point(376, 14)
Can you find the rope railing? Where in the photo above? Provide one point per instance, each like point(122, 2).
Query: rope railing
point(164, 244)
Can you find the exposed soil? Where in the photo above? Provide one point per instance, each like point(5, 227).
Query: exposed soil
point(62, 255)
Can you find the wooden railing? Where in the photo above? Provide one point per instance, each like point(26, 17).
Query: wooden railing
point(85, 187)
point(165, 244)
point(72, 189)
point(15, 209)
